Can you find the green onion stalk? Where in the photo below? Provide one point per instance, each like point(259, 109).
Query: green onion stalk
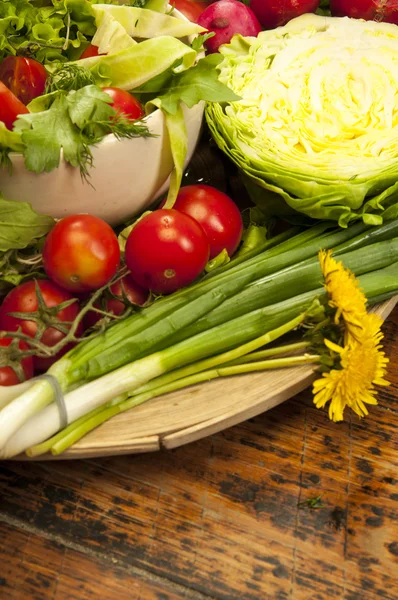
point(216, 315)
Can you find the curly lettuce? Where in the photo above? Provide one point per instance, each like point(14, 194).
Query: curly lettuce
point(51, 30)
point(316, 130)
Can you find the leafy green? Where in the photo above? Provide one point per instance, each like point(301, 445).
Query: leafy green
point(51, 31)
point(190, 87)
point(46, 133)
point(20, 225)
point(10, 141)
point(143, 23)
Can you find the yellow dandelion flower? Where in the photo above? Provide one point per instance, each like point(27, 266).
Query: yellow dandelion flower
point(344, 292)
point(363, 365)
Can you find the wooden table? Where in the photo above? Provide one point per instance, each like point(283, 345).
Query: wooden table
point(225, 517)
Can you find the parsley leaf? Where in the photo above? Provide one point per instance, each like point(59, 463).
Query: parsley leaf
point(45, 133)
point(199, 41)
point(89, 105)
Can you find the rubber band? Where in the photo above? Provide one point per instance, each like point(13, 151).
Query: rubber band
point(59, 398)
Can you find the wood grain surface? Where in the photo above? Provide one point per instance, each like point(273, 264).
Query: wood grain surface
point(222, 518)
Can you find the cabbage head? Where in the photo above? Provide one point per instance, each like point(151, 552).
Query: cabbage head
point(316, 128)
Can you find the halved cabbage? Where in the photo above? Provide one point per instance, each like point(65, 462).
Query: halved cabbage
point(317, 125)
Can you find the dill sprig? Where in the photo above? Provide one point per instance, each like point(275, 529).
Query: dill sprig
point(122, 127)
point(69, 77)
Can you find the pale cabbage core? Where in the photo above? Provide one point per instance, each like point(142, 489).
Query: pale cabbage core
point(318, 95)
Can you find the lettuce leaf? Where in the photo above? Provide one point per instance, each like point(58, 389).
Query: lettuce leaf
point(27, 27)
point(20, 225)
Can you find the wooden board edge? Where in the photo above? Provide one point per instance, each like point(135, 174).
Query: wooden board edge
point(133, 446)
point(205, 428)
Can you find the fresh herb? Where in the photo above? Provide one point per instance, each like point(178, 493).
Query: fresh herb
point(313, 503)
point(199, 41)
point(69, 77)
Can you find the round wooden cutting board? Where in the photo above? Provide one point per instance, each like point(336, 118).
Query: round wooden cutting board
point(187, 415)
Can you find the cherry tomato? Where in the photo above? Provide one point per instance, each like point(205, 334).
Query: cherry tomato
point(125, 103)
point(25, 77)
point(23, 299)
point(190, 9)
point(166, 250)
point(81, 253)
point(216, 212)
point(8, 376)
point(10, 106)
point(90, 51)
point(124, 287)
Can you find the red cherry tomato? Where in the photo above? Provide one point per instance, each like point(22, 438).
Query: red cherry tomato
point(23, 299)
point(90, 51)
point(124, 287)
point(166, 250)
point(190, 9)
point(10, 106)
point(125, 103)
point(370, 10)
point(8, 376)
point(216, 212)
point(81, 253)
point(25, 77)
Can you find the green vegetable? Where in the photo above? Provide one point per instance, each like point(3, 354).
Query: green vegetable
point(20, 225)
point(316, 130)
point(190, 87)
point(220, 313)
point(111, 36)
point(87, 399)
point(144, 23)
point(134, 66)
point(21, 235)
point(51, 31)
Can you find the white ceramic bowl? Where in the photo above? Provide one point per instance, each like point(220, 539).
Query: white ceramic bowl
point(127, 176)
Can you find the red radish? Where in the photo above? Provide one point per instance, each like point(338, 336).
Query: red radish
point(377, 10)
point(226, 18)
point(273, 13)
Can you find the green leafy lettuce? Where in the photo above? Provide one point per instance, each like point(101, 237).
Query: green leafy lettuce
point(316, 130)
point(54, 30)
point(22, 232)
point(20, 225)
